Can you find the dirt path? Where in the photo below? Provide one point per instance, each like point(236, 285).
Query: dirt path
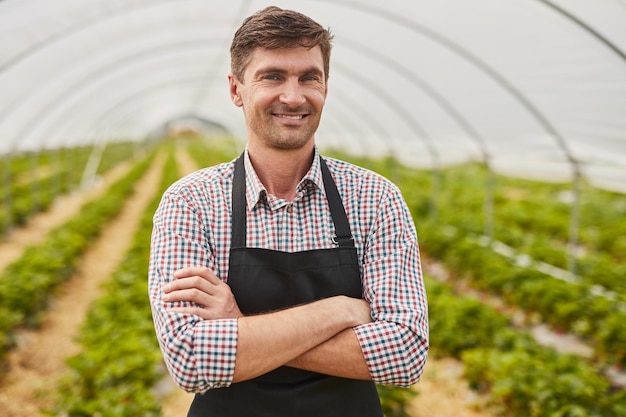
point(443, 392)
point(38, 173)
point(39, 360)
point(66, 206)
point(177, 401)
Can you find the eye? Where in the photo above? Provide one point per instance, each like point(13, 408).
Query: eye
point(271, 77)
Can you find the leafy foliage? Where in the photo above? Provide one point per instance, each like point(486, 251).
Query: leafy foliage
point(27, 284)
point(117, 370)
point(521, 377)
point(37, 179)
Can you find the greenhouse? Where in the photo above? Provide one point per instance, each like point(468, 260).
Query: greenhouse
point(503, 123)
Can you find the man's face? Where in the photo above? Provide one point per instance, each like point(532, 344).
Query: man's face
point(282, 95)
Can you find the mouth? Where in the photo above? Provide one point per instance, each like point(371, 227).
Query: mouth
point(290, 116)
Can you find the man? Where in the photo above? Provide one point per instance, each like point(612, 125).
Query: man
point(283, 283)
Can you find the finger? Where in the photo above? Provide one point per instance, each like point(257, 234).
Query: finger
point(192, 295)
point(200, 271)
point(190, 282)
point(196, 311)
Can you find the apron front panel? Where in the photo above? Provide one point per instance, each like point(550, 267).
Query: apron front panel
point(264, 280)
point(322, 396)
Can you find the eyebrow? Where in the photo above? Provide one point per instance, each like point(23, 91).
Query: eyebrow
point(277, 70)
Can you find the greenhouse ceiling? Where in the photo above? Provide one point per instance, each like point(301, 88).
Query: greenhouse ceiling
point(532, 88)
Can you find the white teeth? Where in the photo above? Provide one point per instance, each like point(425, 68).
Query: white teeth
point(290, 117)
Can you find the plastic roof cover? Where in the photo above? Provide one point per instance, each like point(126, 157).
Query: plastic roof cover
point(534, 88)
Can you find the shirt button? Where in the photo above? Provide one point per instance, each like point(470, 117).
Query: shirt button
point(289, 208)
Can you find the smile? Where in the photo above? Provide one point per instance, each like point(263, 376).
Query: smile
point(288, 116)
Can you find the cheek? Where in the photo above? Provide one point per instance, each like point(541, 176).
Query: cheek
point(260, 98)
point(318, 98)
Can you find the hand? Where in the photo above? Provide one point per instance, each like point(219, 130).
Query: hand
point(212, 297)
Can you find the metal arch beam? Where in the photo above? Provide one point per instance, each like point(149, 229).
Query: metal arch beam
point(616, 49)
point(450, 109)
point(341, 121)
point(413, 125)
point(351, 104)
point(152, 89)
point(83, 25)
point(431, 92)
point(398, 109)
point(381, 93)
point(117, 104)
point(389, 16)
point(475, 61)
point(111, 111)
point(374, 124)
point(81, 84)
point(371, 121)
point(352, 4)
point(243, 6)
point(128, 114)
point(575, 164)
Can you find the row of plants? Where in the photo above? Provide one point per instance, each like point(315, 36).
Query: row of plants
point(117, 370)
point(534, 218)
point(28, 192)
point(29, 198)
point(576, 308)
point(513, 375)
point(518, 376)
point(531, 216)
point(540, 208)
point(27, 284)
point(120, 377)
point(567, 307)
point(19, 166)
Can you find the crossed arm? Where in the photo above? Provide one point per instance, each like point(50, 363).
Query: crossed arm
point(317, 336)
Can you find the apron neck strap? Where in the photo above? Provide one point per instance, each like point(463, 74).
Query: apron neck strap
point(343, 234)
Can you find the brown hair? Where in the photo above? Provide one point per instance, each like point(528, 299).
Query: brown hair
point(274, 28)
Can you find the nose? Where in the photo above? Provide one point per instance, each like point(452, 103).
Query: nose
point(292, 94)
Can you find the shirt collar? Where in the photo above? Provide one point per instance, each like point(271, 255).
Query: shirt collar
point(256, 191)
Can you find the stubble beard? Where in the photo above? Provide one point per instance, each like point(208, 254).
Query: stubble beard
point(285, 137)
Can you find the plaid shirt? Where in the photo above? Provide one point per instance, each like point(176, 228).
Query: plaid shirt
point(192, 227)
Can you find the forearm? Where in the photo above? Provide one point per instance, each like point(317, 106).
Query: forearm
point(268, 341)
point(339, 356)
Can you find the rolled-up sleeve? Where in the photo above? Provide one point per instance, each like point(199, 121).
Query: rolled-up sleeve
point(199, 354)
point(395, 345)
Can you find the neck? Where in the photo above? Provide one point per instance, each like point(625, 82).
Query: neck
point(280, 171)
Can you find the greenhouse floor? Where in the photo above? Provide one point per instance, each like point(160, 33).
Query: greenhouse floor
point(39, 360)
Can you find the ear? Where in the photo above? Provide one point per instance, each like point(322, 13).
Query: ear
point(235, 96)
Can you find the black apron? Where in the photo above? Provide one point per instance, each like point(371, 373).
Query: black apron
point(264, 280)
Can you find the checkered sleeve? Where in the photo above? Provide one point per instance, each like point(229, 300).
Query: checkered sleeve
point(199, 354)
point(395, 345)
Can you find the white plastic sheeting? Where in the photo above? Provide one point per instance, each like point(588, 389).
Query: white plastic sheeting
point(534, 88)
